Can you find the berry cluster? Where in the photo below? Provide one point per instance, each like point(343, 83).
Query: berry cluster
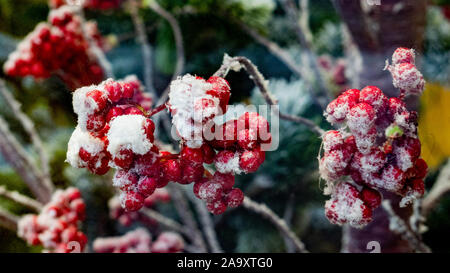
point(140, 241)
point(56, 226)
point(405, 74)
point(57, 47)
point(378, 148)
point(234, 146)
point(113, 132)
point(126, 218)
point(89, 4)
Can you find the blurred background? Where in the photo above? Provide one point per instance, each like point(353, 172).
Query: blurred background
point(288, 180)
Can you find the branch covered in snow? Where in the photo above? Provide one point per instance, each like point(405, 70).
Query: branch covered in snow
point(207, 224)
point(397, 225)
point(17, 157)
point(8, 220)
point(20, 199)
point(29, 127)
point(182, 207)
point(439, 189)
point(179, 67)
point(231, 64)
point(267, 213)
point(145, 46)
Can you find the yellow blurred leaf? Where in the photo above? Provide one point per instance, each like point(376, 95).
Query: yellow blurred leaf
point(434, 124)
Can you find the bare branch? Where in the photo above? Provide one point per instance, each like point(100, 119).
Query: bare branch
point(439, 189)
point(207, 224)
point(182, 207)
point(21, 199)
point(277, 51)
point(145, 46)
point(29, 127)
point(302, 31)
point(397, 225)
point(261, 83)
point(267, 213)
point(179, 67)
point(164, 221)
point(17, 157)
point(287, 217)
point(8, 220)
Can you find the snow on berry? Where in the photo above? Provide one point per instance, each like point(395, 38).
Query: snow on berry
point(227, 162)
point(405, 74)
point(377, 148)
point(191, 105)
point(403, 55)
point(338, 109)
point(168, 242)
point(128, 132)
point(347, 207)
point(56, 226)
point(136, 241)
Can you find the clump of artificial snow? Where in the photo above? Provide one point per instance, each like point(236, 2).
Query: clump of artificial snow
point(127, 132)
point(185, 101)
point(82, 139)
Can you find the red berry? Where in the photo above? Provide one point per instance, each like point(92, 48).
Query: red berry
point(95, 122)
point(208, 153)
point(226, 180)
point(210, 191)
point(250, 160)
point(373, 96)
point(191, 174)
point(124, 158)
point(113, 112)
point(132, 111)
point(147, 185)
point(421, 168)
point(190, 156)
point(96, 99)
point(216, 207)
point(371, 197)
point(172, 170)
point(114, 90)
point(248, 139)
point(133, 201)
point(332, 140)
point(234, 198)
point(403, 55)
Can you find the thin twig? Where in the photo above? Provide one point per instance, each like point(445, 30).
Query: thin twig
point(21, 199)
point(267, 213)
point(276, 50)
point(397, 225)
point(185, 213)
point(261, 83)
point(17, 157)
point(207, 224)
point(302, 31)
point(29, 127)
point(145, 46)
point(439, 189)
point(94, 48)
point(164, 221)
point(7, 220)
point(287, 217)
point(178, 36)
